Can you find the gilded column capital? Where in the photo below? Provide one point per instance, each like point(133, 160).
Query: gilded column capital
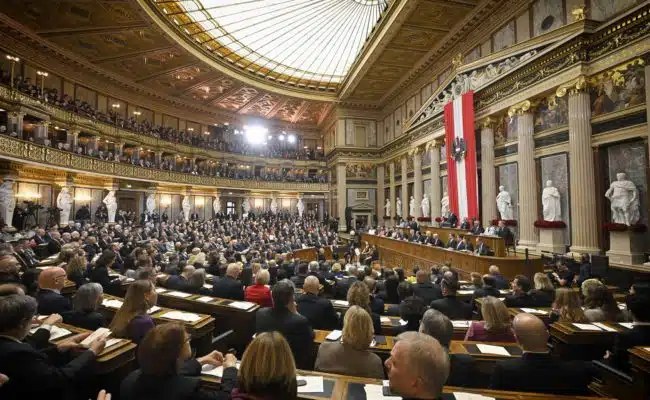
point(579, 13)
point(578, 85)
point(433, 145)
point(487, 123)
point(415, 151)
point(521, 108)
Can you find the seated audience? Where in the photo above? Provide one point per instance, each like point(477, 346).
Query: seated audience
point(267, 370)
point(544, 292)
point(588, 285)
point(228, 287)
point(32, 375)
point(520, 296)
point(284, 318)
point(165, 360)
point(196, 283)
point(411, 310)
point(350, 355)
point(74, 262)
point(600, 305)
point(318, 310)
point(418, 367)
point(425, 289)
point(487, 289)
point(260, 292)
point(637, 304)
point(299, 279)
point(99, 272)
point(450, 305)
point(501, 282)
point(50, 300)
point(376, 303)
point(563, 276)
point(566, 307)
point(132, 320)
point(536, 370)
point(181, 282)
point(84, 307)
point(359, 295)
point(495, 326)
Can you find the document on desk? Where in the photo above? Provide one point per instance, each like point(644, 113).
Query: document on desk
point(100, 333)
point(112, 303)
point(342, 303)
point(205, 299)
point(461, 324)
point(587, 327)
point(181, 316)
point(490, 349)
point(533, 311)
point(242, 305)
point(463, 292)
point(179, 294)
point(314, 384)
point(161, 290)
point(605, 327)
point(334, 335)
point(207, 369)
point(628, 325)
point(153, 310)
point(207, 286)
point(376, 392)
point(384, 320)
point(55, 332)
point(111, 342)
point(471, 396)
point(402, 322)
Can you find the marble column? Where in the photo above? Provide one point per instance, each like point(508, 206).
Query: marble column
point(16, 124)
point(381, 170)
point(119, 148)
point(527, 181)
point(488, 176)
point(393, 212)
point(417, 184)
point(342, 196)
point(72, 139)
point(159, 158)
point(436, 191)
point(584, 221)
point(405, 191)
point(321, 210)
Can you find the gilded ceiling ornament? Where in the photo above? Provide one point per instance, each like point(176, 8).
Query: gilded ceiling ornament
point(577, 85)
point(579, 13)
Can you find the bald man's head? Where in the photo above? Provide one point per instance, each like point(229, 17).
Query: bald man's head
point(311, 285)
point(52, 278)
point(531, 332)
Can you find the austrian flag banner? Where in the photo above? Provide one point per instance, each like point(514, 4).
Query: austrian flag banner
point(462, 175)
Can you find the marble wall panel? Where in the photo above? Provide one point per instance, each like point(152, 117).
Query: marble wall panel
point(547, 16)
point(508, 177)
point(556, 169)
point(443, 185)
point(504, 37)
point(630, 158)
point(426, 188)
point(362, 198)
point(601, 10)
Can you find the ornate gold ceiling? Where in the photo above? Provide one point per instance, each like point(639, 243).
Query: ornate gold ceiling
point(122, 37)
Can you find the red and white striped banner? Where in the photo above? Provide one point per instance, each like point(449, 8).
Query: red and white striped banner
point(462, 175)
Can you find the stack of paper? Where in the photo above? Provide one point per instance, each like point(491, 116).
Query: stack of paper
point(208, 369)
point(205, 299)
point(153, 310)
point(55, 332)
point(179, 294)
point(605, 327)
point(160, 290)
point(342, 303)
point(129, 280)
point(461, 324)
point(384, 320)
point(533, 311)
point(504, 291)
point(242, 305)
point(112, 303)
point(462, 292)
point(207, 286)
point(470, 396)
point(100, 333)
point(587, 327)
point(334, 335)
point(314, 384)
point(112, 342)
point(490, 349)
point(402, 322)
point(181, 316)
point(628, 325)
point(376, 392)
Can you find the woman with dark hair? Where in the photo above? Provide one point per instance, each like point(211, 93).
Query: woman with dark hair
point(600, 305)
point(132, 321)
point(99, 272)
point(165, 358)
point(391, 283)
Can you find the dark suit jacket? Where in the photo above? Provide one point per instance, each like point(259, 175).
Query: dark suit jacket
point(483, 249)
point(342, 287)
point(462, 371)
point(501, 282)
point(518, 301)
point(639, 335)
point(539, 372)
point(54, 247)
point(100, 275)
point(177, 282)
point(295, 328)
point(543, 298)
point(453, 308)
point(437, 242)
point(33, 376)
point(477, 230)
point(228, 288)
point(465, 246)
point(376, 305)
point(465, 225)
point(427, 291)
point(319, 311)
point(452, 244)
point(50, 302)
point(88, 320)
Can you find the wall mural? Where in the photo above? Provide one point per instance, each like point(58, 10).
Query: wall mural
point(551, 113)
point(361, 171)
point(619, 88)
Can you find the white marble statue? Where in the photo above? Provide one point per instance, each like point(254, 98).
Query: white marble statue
point(624, 197)
point(111, 206)
point(504, 204)
point(7, 201)
point(551, 208)
point(151, 203)
point(246, 205)
point(444, 205)
point(426, 206)
point(64, 202)
point(387, 207)
point(398, 207)
point(216, 205)
point(185, 204)
point(301, 207)
point(274, 206)
point(412, 206)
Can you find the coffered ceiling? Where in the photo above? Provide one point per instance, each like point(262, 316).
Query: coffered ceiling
point(133, 39)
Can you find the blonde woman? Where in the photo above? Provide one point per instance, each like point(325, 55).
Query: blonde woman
point(567, 307)
point(131, 321)
point(496, 325)
point(359, 295)
point(351, 356)
point(544, 291)
point(267, 370)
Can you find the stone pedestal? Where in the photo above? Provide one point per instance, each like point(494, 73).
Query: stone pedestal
point(551, 240)
point(625, 247)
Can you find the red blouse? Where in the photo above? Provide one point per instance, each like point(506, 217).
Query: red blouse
point(259, 294)
point(478, 333)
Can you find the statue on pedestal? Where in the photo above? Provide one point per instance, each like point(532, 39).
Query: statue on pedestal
point(111, 206)
point(185, 204)
point(301, 207)
point(7, 201)
point(444, 205)
point(398, 207)
point(504, 204)
point(216, 205)
point(624, 197)
point(551, 208)
point(426, 207)
point(387, 207)
point(246, 205)
point(274, 206)
point(151, 203)
point(64, 202)
point(412, 207)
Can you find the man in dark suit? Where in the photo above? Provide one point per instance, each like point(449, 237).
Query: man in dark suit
point(451, 221)
point(503, 231)
point(343, 284)
point(452, 243)
point(536, 370)
point(284, 318)
point(180, 282)
point(228, 287)
point(482, 249)
point(299, 278)
point(639, 335)
point(425, 289)
point(477, 229)
point(376, 303)
point(318, 310)
point(465, 244)
point(520, 297)
point(435, 241)
point(501, 282)
point(50, 300)
point(465, 224)
point(55, 243)
point(31, 373)
point(487, 289)
point(450, 305)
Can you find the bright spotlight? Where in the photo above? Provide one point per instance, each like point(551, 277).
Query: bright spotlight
point(270, 137)
point(255, 134)
point(282, 137)
point(292, 139)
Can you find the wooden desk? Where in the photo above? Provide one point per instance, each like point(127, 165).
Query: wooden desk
point(382, 350)
point(497, 244)
point(640, 370)
point(544, 317)
point(396, 253)
point(200, 330)
point(572, 342)
point(308, 254)
point(342, 305)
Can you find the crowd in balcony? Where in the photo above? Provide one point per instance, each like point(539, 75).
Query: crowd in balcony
point(214, 140)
